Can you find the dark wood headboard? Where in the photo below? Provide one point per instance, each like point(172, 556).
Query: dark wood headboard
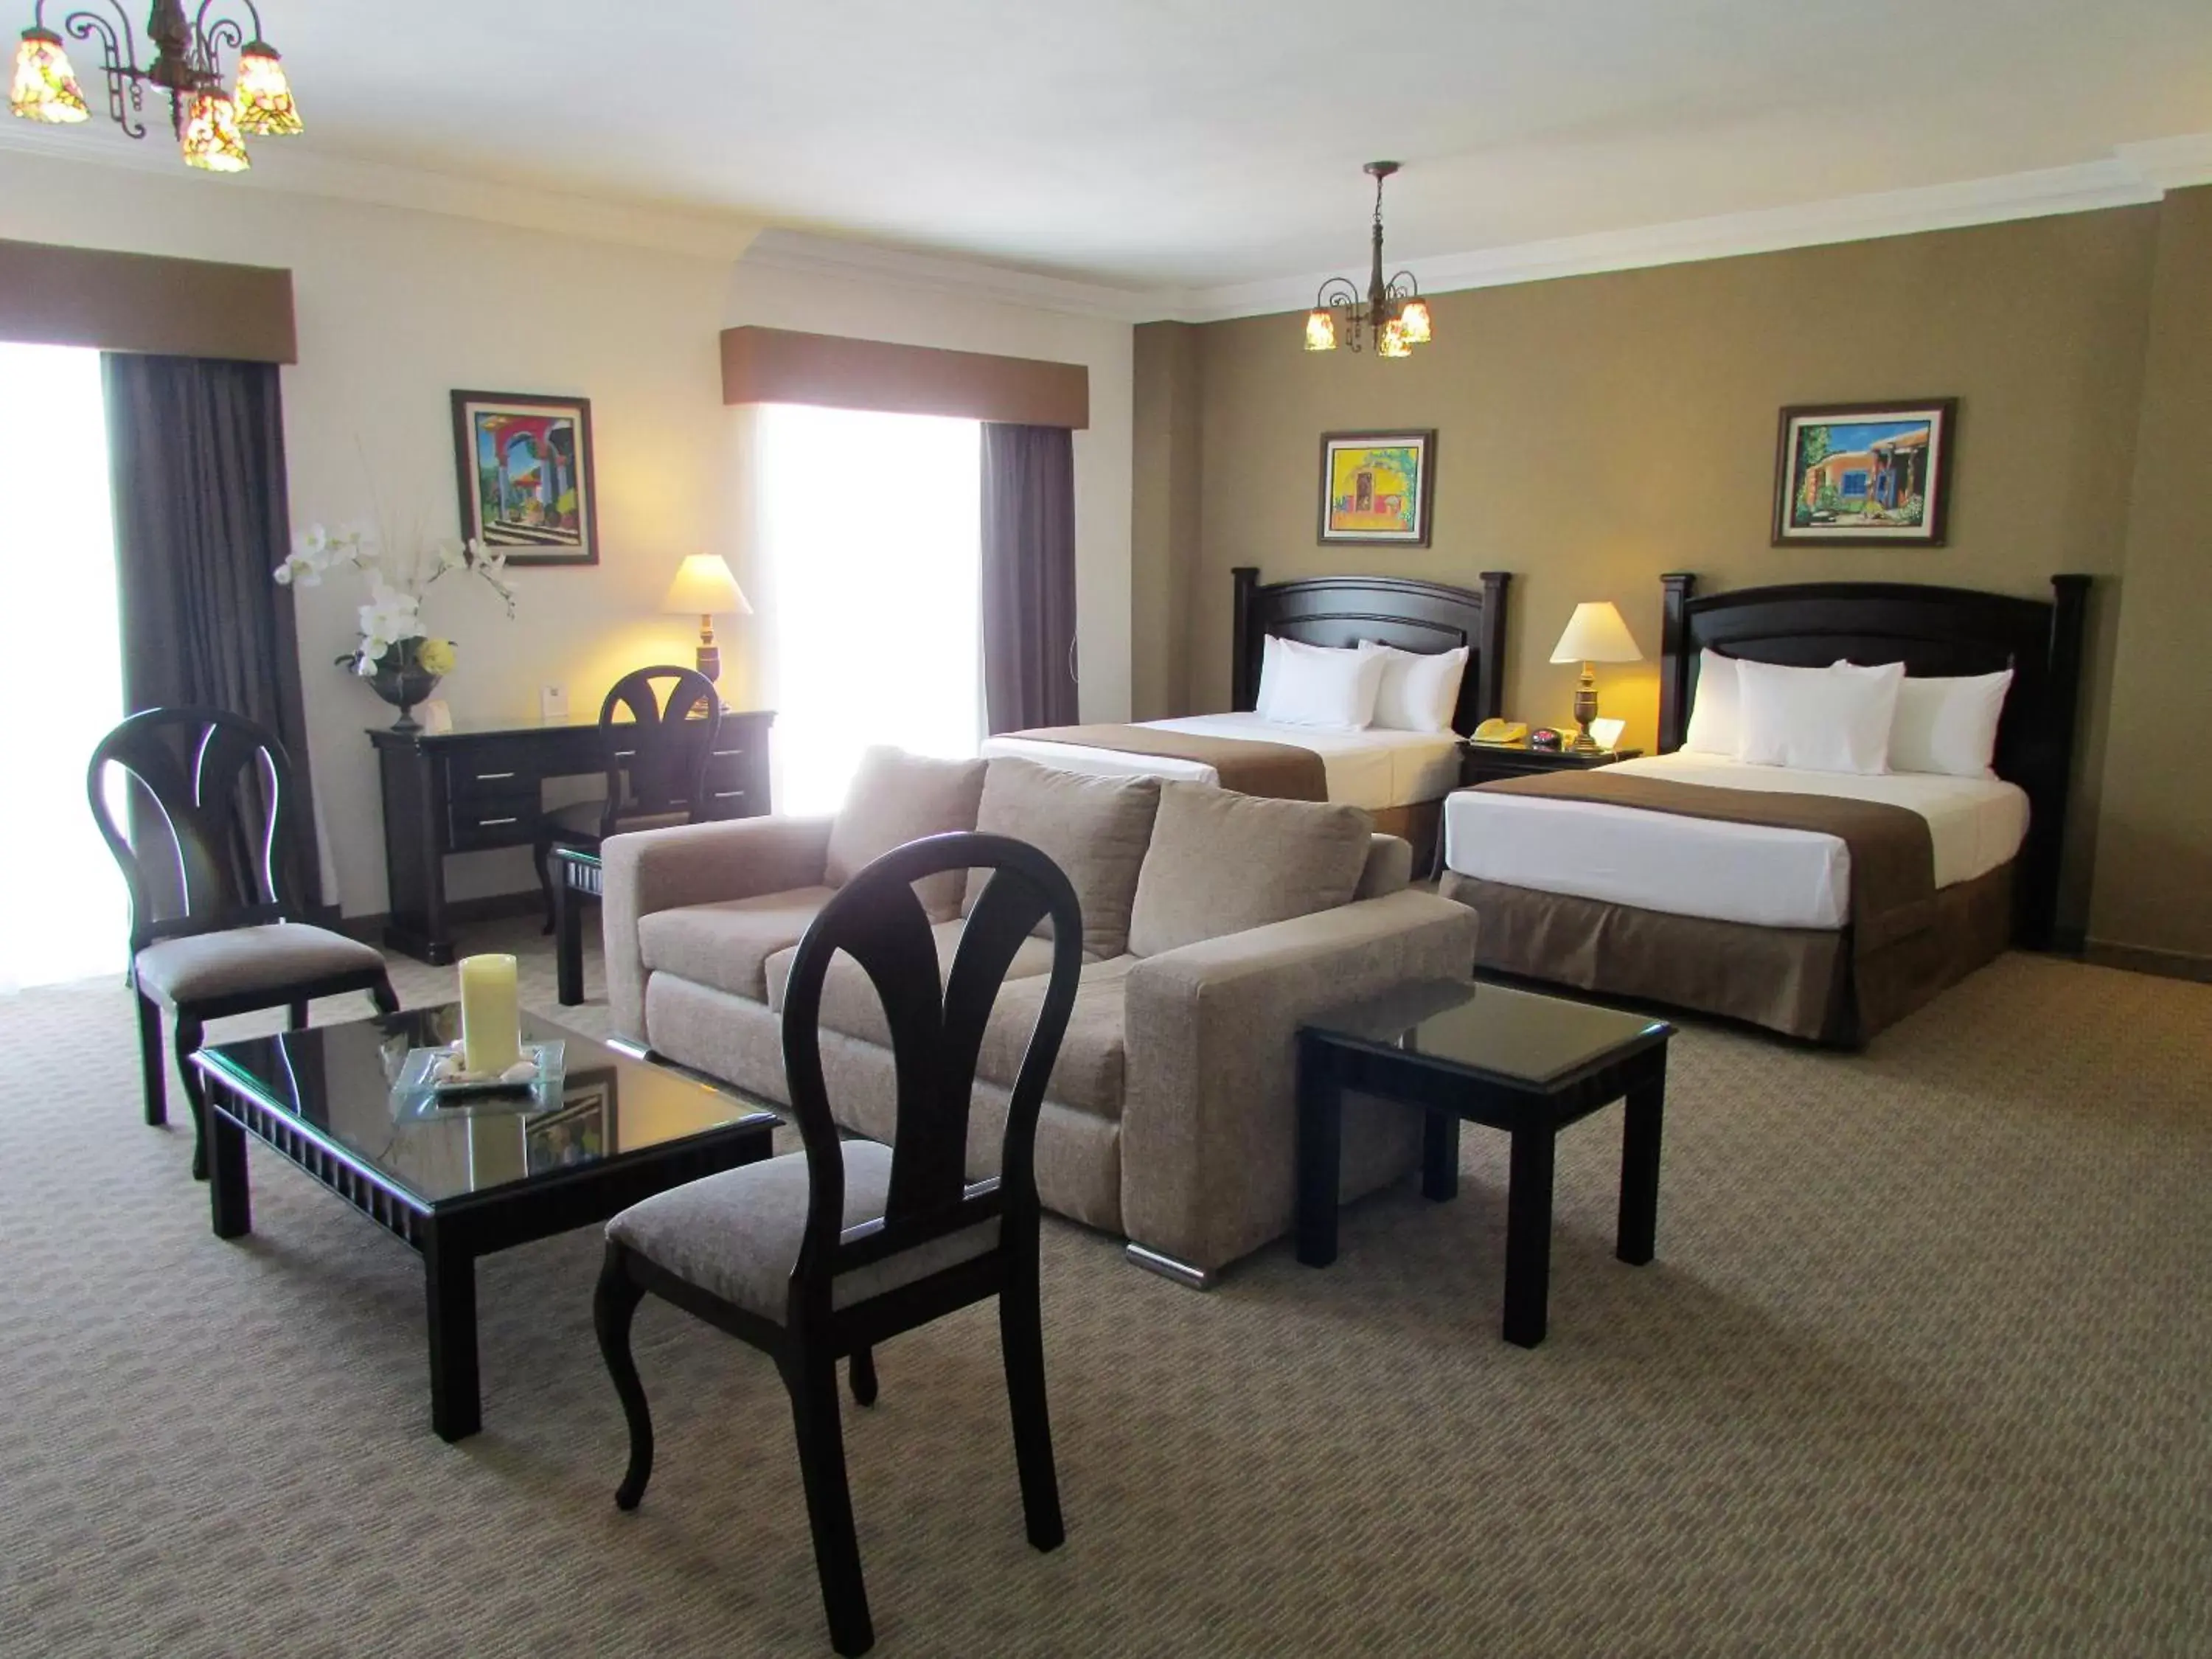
point(1426, 616)
point(1932, 631)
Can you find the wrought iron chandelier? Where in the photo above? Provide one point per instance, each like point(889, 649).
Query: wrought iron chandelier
point(210, 121)
point(1393, 311)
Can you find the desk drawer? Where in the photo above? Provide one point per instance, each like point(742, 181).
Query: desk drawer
point(493, 771)
point(495, 815)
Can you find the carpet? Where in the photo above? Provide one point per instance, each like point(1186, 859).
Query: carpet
point(1921, 1368)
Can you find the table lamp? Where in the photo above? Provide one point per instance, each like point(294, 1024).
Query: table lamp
point(1595, 634)
point(705, 588)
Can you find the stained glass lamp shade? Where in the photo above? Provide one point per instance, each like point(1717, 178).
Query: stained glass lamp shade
point(211, 138)
point(1415, 314)
point(45, 87)
point(265, 106)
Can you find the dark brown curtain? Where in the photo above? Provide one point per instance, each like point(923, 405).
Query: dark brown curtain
point(1029, 576)
point(196, 448)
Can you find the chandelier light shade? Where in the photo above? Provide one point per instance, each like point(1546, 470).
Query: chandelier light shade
point(45, 87)
point(1393, 311)
point(208, 118)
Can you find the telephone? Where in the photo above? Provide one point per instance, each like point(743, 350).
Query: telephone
point(1501, 731)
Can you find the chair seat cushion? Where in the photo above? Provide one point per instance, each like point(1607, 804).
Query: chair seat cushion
point(850, 1006)
point(727, 946)
point(243, 961)
point(736, 1234)
point(580, 821)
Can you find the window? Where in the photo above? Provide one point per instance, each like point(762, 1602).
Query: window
point(68, 916)
point(871, 567)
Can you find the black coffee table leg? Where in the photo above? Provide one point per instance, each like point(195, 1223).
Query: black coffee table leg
point(1639, 1172)
point(1439, 1155)
point(449, 1280)
point(1529, 1235)
point(568, 938)
point(1321, 1148)
point(230, 1204)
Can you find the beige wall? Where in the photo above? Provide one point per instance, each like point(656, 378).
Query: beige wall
point(1593, 432)
point(2153, 885)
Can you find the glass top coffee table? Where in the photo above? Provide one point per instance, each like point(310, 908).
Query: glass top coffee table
point(460, 1181)
point(1509, 1059)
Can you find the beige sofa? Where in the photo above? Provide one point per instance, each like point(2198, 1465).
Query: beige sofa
point(1213, 923)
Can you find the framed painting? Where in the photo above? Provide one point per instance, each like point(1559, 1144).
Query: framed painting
point(1377, 487)
point(524, 470)
point(1865, 475)
point(579, 1130)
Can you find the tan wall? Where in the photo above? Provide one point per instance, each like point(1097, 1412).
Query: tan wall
point(1163, 517)
point(1596, 431)
point(2153, 884)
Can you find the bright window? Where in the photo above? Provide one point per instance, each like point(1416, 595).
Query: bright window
point(870, 557)
point(67, 915)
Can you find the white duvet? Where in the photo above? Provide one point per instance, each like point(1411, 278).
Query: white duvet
point(1375, 768)
point(1770, 877)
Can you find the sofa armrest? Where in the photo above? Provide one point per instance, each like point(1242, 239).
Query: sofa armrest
point(1209, 1119)
point(651, 870)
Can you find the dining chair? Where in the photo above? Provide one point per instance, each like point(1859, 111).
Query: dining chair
point(656, 762)
point(825, 1253)
point(203, 829)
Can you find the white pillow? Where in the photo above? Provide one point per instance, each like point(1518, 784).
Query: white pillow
point(1715, 724)
point(1948, 724)
point(1420, 688)
point(1269, 677)
point(1819, 720)
point(1324, 685)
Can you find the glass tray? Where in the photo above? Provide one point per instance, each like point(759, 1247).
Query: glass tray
point(414, 1095)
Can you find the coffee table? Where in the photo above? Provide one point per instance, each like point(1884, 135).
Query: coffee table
point(1509, 1059)
point(471, 1180)
point(576, 877)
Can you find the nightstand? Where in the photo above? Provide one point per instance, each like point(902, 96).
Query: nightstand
point(1481, 763)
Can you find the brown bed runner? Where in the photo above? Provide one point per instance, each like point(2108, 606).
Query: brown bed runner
point(1281, 771)
point(1892, 855)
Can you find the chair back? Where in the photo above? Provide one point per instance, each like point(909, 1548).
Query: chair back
point(937, 1031)
point(203, 823)
point(657, 759)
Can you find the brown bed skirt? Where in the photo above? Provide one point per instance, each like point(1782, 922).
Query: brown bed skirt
point(1797, 981)
point(1421, 824)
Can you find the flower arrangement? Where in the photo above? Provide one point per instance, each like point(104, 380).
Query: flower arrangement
point(392, 636)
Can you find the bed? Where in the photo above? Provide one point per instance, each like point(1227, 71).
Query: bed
point(1400, 777)
point(1704, 883)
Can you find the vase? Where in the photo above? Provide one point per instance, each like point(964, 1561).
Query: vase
point(402, 683)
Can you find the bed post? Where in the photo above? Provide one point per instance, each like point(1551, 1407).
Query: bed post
point(2038, 906)
point(1676, 659)
point(1490, 649)
point(1243, 673)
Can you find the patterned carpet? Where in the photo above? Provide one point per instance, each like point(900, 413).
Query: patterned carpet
point(1924, 1366)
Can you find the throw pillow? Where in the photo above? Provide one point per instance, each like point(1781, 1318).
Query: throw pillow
point(896, 798)
point(1222, 863)
point(1095, 829)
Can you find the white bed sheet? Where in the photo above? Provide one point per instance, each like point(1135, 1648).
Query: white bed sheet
point(1768, 878)
point(1374, 768)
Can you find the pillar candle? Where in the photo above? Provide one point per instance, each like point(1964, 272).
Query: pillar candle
point(491, 1015)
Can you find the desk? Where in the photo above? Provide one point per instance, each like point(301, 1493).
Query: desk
point(479, 785)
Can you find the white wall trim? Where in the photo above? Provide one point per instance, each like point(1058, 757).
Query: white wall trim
point(814, 255)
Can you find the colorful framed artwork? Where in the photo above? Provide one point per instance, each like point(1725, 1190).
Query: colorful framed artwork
point(579, 1130)
point(524, 470)
point(1377, 487)
point(1865, 475)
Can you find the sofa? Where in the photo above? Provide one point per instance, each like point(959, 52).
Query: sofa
point(1214, 922)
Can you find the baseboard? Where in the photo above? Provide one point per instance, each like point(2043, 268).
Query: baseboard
point(492, 907)
point(2142, 959)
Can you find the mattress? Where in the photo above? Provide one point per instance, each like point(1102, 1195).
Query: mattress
point(1373, 768)
point(1768, 878)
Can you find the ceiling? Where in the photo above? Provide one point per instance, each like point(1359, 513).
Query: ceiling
point(1152, 144)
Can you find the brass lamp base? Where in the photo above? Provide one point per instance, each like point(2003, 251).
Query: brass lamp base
point(709, 654)
point(1585, 712)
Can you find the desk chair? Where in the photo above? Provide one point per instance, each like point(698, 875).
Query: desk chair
point(822, 1253)
point(656, 765)
point(204, 843)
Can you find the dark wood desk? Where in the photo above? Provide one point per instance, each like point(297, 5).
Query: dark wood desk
point(481, 786)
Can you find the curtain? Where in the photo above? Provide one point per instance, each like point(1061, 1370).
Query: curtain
point(196, 455)
point(1029, 577)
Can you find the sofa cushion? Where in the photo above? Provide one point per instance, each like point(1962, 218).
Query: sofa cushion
point(1095, 829)
point(849, 1002)
point(727, 946)
point(896, 798)
point(1222, 863)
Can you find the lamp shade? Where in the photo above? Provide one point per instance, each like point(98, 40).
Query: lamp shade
point(1595, 633)
point(704, 588)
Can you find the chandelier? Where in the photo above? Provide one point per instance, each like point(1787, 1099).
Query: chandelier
point(210, 121)
point(1393, 310)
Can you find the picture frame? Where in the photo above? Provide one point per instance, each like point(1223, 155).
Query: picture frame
point(522, 464)
point(582, 1127)
point(1865, 475)
point(1377, 488)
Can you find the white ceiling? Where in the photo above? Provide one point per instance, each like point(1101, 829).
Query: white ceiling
point(1161, 144)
